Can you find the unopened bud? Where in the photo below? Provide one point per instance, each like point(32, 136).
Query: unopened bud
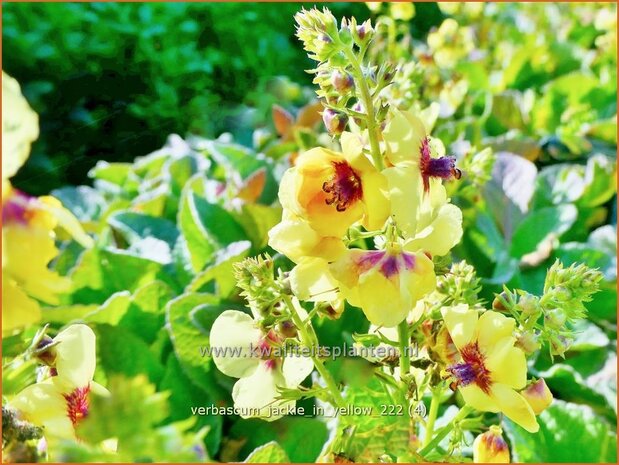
point(334, 122)
point(559, 345)
point(528, 304)
point(555, 318)
point(528, 342)
point(45, 351)
point(498, 303)
point(490, 447)
point(538, 396)
point(342, 81)
point(287, 328)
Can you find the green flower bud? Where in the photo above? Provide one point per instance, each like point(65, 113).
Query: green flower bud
point(528, 304)
point(555, 318)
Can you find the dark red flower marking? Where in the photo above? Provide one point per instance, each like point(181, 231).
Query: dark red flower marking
point(390, 264)
point(443, 167)
point(344, 187)
point(472, 369)
point(77, 404)
point(17, 208)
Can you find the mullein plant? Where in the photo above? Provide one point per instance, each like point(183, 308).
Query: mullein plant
point(371, 226)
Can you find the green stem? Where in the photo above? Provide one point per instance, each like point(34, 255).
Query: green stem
point(368, 104)
point(309, 339)
point(445, 430)
point(403, 338)
point(436, 400)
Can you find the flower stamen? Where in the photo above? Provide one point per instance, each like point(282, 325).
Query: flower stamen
point(344, 187)
point(77, 404)
point(443, 167)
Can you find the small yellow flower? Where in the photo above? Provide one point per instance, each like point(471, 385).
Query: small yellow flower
point(490, 447)
point(61, 402)
point(450, 43)
point(333, 190)
point(490, 369)
point(538, 396)
point(385, 284)
point(241, 349)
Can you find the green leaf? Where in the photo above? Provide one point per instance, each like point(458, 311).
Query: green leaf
point(568, 433)
point(188, 339)
point(205, 227)
point(120, 351)
point(86, 203)
point(257, 220)
point(112, 310)
point(289, 432)
point(134, 227)
point(271, 452)
point(221, 272)
point(145, 315)
point(600, 181)
point(541, 225)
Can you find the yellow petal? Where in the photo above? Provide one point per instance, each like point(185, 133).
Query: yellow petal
point(312, 280)
point(234, 338)
point(515, 407)
point(18, 310)
point(382, 302)
point(492, 328)
point(255, 395)
point(478, 399)
point(377, 207)
point(403, 136)
point(461, 322)
point(507, 364)
point(295, 369)
point(76, 356)
point(66, 220)
point(441, 235)
point(42, 404)
point(20, 127)
point(404, 184)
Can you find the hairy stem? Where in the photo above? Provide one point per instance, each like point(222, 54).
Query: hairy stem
point(436, 400)
point(445, 430)
point(368, 104)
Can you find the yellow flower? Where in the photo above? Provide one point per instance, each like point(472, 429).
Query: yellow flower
point(538, 396)
point(385, 284)
point(28, 246)
point(490, 447)
point(450, 43)
point(20, 127)
point(333, 190)
point(490, 370)
point(241, 349)
point(312, 281)
point(61, 402)
point(419, 203)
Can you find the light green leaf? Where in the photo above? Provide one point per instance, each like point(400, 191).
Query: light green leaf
point(271, 452)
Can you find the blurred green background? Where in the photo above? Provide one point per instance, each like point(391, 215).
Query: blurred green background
point(110, 81)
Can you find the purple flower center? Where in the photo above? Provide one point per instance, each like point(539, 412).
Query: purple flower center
point(344, 187)
point(16, 208)
point(390, 264)
point(443, 167)
point(472, 369)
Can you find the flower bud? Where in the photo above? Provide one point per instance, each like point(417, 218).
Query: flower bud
point(528, 304)
point(334, 122)
point(490, 447)
point(342, 81)
point(555, 318)
point(528, 342)
point(538, 396)
point(363, 33)
point(287, 328)
point(498, 302)
point(45, 351)
point(559, 345)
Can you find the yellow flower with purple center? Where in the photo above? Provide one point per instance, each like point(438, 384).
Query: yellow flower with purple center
point(60, 402)
point(242, 349)
point(490, 370)
point(385, 284)
point(490, 447)
point(418, 200)
point(332, 190)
